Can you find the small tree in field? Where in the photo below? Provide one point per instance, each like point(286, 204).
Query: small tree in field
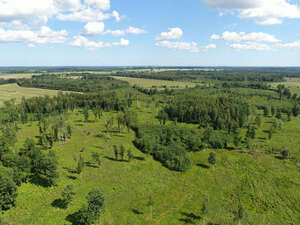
point(67, 195)
point(129, 155)
point(80, 164)
point(239, 214)
point(122, 152)
point(96, 158)
point(150, 204)
point(212, 159)
point(285, 154)
point(116, 151)
point(204, 210)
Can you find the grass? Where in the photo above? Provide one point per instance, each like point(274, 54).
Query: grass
point(292, 83)
point(16, 76)
point(13, 91)
point(150, 83)
point(270, 193)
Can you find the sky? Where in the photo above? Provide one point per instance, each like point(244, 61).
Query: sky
point(149, 33)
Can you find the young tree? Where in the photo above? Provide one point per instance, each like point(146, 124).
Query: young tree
point(86, 113)
point(80, 164)
point(96, 204)
point(239, 214)
point(204, 210)
point(8, 191)
point(96, 158)
point(129, 155)
point(212, 159)
point(69, 130)
point(271, 133)
point(162, 117)
point(285, 154)
point(150, 204)
point(116, 151)
point(67, 195)
point(258, 121)
point(122, 152)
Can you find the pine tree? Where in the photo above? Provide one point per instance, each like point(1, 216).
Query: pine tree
point(67, 195)
point(116, 151)
point(129, 155)
point(212, 159)
point(80, 164)
point(122, 152)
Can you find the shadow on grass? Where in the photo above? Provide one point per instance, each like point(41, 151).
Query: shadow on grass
point(72, 177)
point(189, 218)
point(137, 212)
point(89, 164)
point(58, 203)
point(73, 218)
point(69, 170)
point(139, 158)
point(40, 182)
point(203, 165)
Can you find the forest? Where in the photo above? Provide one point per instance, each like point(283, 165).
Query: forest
point(102, 151)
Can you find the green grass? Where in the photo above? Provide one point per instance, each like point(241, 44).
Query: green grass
point(292, 83)
point(149, 83)
point(16, 76)
point(270, 193)
point(13, 91)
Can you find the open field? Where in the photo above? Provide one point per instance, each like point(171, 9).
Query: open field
point(292, 83)
point(13, 91)
point(150, 83)
point(16, 76)
point(177, 196)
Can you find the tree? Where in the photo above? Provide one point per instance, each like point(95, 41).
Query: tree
point(271, 133)
point(251, 133)
point(86, 113)
point(8, 191)
point(239, 214)
point(162, 117)
point(204, 210)
point(67, 195)
point(96, 204)
point(122, 152)
point(258, 121)
point(116, 151)
point(96, 158)
point(129, 155)
point(212, 159)
point(285, 154)
point(80, 164)
point(69, 130)
point(150, 204)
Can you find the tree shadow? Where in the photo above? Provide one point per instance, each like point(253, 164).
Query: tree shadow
point(72, 177)
point(73, 218)
point(58, 203)
point(69, 170)
point(203, 165)
point(187, 221)
point(137, 212)
point(113, 159)
point(40, 181)
point(140, 158)
point(191, 216)
point(89, 164)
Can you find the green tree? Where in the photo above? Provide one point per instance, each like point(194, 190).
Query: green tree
point(129, 155)
point(96, 158)
point(239, 214)
point(212, 159)
point(122, 152)
point(96, 204)
point(116, 151)
point(204, 210)
point(67, 195)
point(150, 204)
point(69, 130)
point(8, 191)
point(285, 154)
point(80, 164)
point(86, 113)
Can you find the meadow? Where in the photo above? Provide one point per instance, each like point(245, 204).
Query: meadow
point(13, 91)
point(150, 83)
point(177, 197)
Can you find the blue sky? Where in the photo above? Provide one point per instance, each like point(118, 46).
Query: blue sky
point(155, 32)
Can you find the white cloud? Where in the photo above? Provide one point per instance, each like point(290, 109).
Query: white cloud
point(80, 41)
point(116, 15)
point(264, 12)
point(251, 46)
point(67, 5)
point(187, 46)
point(85, 15)
point(129, 30)
point(173, 34)
point(94, 28)
point(245, 37)
point(43, 36)
point(292, 45)
point(99, 4)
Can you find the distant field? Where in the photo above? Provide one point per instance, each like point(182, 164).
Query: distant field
point(10, 91)
point(291, 83)
point(149, 83)
point(16, 76)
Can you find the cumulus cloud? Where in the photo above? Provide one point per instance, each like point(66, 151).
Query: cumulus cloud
point(173, 34)
point(264, 12)
point(116, 15)
point(292, 45)
point(43, 36)
point(245, 37)
point(187, 46)
point(81, 41)
point(94, 28)
point(251, 46)
point(129, 30)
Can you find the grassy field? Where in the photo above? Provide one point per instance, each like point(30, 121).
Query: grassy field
point(149, 83)
point(269, 195)
point(292, 83)
point(16, 76)
point(13, 91)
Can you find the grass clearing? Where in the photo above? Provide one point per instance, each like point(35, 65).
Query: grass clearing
point(150, 83)
point(13, 91)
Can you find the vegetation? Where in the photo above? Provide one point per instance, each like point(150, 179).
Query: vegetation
point(218, 153)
